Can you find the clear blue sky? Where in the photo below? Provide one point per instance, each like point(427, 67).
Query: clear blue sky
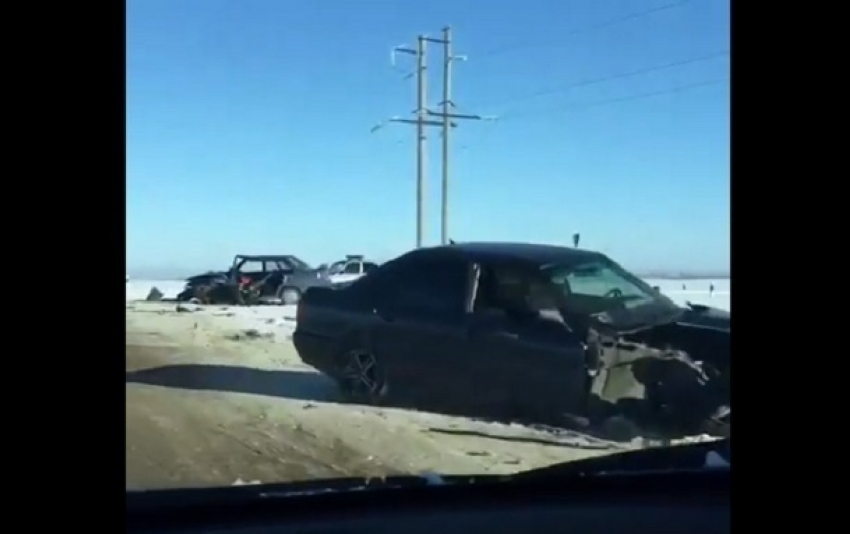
point(248, 128)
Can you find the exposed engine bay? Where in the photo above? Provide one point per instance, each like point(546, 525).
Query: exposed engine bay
point(672, 376)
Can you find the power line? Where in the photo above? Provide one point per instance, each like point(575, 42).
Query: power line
point(611, 77)
point(606, 102)
point(629, 98)
point(594, 26)
point(600, 103)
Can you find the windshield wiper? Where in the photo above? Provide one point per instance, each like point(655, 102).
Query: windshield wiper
point(675, 459)
point(183, 497)
point(679, 458)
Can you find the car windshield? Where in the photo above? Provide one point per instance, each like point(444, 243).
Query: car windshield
point(337, 267)
point(491, 158)
point(603, 286)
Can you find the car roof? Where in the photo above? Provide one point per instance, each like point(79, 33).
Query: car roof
point(529, 252)
point(271, 257)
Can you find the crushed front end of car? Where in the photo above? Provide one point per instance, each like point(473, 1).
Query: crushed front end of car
point(670, 378)
point(202, 288)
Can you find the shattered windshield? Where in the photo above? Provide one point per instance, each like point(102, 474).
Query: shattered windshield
point(518, 171)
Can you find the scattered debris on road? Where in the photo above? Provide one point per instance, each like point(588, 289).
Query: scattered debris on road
point(250, 334)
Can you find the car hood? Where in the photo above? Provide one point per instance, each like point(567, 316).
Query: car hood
point(206, 276)
point(705, 316)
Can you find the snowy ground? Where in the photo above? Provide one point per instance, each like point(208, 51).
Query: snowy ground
point(696, 291)
point(217, 394)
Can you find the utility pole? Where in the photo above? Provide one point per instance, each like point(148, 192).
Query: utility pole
point(421, 88)
point(425, 117)
point(421, 121)
point(447, 116)
point(447, 97)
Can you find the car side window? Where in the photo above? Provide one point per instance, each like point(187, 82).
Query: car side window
point(500, 288)
point(252, 266)
point(430, 287)
point(514, 289)
point(352, 268)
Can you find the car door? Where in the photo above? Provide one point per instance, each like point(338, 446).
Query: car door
point(252, 269)
point(531, 354)
point(419, 329)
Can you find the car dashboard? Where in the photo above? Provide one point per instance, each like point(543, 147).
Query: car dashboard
point(623, 504)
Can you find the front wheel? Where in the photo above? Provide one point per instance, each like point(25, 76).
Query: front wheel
point(186, 295)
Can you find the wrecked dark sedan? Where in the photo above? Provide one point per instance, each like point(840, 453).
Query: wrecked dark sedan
point(254, 279)
point(524, 332)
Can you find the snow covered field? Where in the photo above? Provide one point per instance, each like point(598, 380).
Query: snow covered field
point(695, 291)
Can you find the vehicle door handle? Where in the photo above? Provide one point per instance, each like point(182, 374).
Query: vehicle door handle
point(383, 316)
point(505, 335)
point(499, 334)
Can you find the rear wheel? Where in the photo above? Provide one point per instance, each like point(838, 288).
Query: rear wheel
point(362, 379)
point(290, 295)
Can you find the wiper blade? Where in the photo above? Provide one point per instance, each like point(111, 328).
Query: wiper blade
point(183, 497)
point(677, 458)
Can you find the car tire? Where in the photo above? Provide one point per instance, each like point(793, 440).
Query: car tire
point(290, 296)
point(362, 379)
point(186, 295)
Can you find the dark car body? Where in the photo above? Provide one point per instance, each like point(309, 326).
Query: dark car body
point(442, 328)
point(279, 276)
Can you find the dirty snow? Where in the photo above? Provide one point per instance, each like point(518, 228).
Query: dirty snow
point(274, 322)
point(218, 394)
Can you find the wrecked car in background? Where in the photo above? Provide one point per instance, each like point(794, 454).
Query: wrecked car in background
point(254, 280)
point(525, 332)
